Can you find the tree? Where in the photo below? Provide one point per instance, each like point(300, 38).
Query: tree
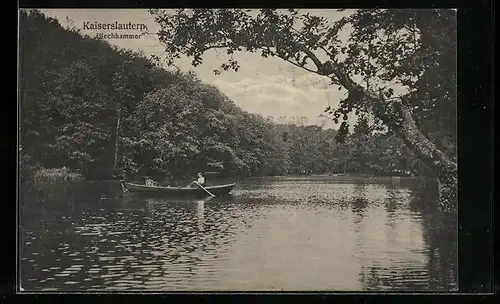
point(361, 146)
point(79, 111)
point(131, 80)
point(414, 48)
point(109, 112)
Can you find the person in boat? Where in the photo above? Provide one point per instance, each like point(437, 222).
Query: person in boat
point(199, 181)
point(150, 182)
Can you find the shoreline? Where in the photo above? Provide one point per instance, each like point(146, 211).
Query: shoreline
point(61, 175)
point(357, 178)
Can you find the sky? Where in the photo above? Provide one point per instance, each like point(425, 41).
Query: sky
point(266, 86)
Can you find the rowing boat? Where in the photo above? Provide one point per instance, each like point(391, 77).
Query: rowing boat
point(218, 190)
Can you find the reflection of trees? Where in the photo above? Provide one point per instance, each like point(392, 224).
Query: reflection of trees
point(181, 234)
point(391, 204)
point(123, 236)
point(440, 236)
point(359, 204)
point(191, 209)
point(49, 215)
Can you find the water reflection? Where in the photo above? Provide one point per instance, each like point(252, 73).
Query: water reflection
point(440, 234)
point(270, 234)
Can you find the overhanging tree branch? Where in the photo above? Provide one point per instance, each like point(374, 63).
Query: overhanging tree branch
point(297, 46)
point(288, 60)
point(217, 46)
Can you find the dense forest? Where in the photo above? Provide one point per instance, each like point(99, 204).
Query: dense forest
point(111, 113)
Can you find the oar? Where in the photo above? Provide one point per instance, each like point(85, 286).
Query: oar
point(204, 189)
point(207, 199)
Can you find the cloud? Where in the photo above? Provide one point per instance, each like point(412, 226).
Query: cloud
point(279, 95)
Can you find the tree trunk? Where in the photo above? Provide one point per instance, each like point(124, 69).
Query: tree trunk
point(346, 160)
point(444, 168)
point(399, 118)
point(117, 137)
point(402, 123)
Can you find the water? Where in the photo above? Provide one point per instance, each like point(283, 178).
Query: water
point(271, 234)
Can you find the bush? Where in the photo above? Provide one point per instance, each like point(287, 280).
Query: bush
point(63, 174)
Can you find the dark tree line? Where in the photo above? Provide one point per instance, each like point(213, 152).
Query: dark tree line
point(312, 150)
point(112, 113)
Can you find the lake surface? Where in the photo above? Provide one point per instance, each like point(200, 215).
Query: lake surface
point(270, 234)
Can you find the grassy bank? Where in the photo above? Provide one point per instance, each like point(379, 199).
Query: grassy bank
point(44, 175)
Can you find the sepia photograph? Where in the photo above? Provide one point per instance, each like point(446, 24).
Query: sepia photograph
point(229, 150)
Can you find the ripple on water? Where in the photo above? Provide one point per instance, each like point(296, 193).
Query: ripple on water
point(94, 270)
point(106, 258)
point(111, 275)
point(163, 248)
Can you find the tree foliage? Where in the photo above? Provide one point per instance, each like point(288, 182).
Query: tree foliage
point(367, 52)
point(412, 48)
point(108, 112)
